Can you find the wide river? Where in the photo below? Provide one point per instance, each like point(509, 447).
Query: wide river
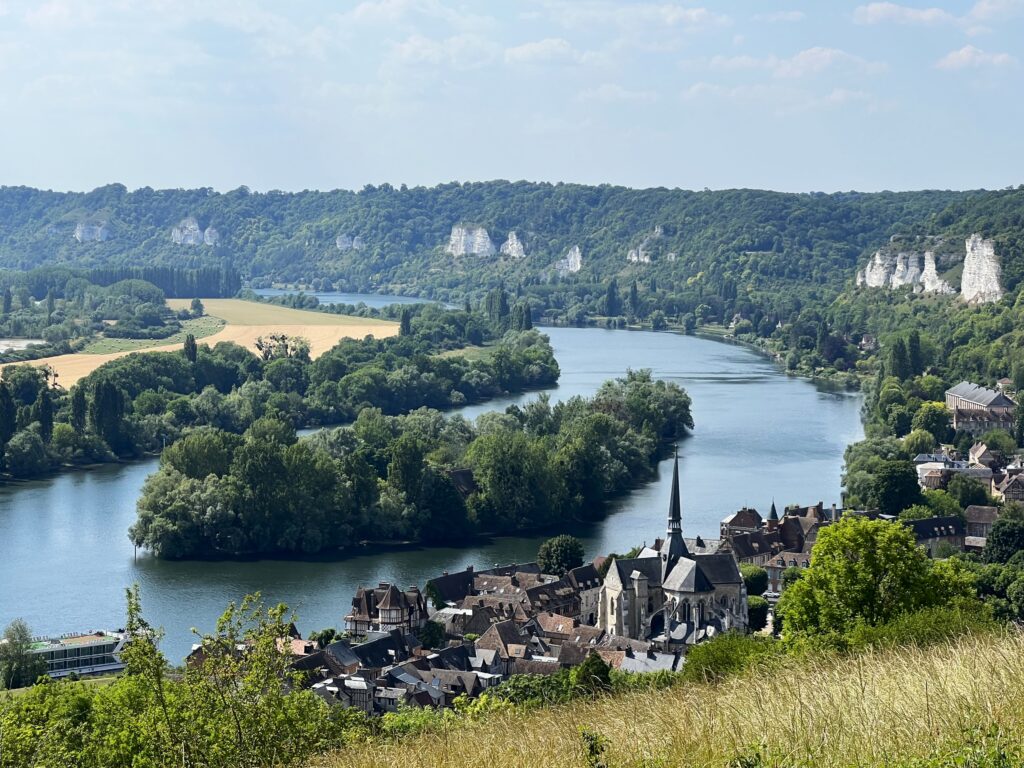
point(65, 557)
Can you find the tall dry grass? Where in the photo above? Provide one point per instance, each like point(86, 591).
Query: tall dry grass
point(890, 708)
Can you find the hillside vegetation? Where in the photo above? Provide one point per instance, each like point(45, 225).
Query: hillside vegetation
point(959, 704)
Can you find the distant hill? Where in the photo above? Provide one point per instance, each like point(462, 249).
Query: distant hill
point(396, 238)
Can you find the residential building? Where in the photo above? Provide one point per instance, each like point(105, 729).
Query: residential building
point(385, 608)
point(938, 535)
point(976, 409)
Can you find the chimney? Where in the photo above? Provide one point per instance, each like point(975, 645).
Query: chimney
point(835, 517)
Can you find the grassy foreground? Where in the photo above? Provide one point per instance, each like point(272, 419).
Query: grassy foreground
point(960, 704)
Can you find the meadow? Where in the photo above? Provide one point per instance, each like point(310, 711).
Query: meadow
point(234, 320)
point(956, 704)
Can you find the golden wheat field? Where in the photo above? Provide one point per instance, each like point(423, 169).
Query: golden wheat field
point(245, 321)
point(894, 708)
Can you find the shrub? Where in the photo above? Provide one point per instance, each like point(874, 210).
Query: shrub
point(728, 654)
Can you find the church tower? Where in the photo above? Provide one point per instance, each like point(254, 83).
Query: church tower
point(674, 546)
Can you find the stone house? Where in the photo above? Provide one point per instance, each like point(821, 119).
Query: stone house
point(980, 519)
point(934, 532)
point(976, 409)
point(385, 608)
point(778, 565)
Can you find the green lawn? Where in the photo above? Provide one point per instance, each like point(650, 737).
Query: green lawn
point(199, 327)
point(470, 352)
point(99, 680)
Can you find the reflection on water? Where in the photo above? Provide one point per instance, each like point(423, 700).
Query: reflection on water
point(65, 557)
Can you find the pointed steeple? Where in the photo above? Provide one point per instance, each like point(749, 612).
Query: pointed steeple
point(774, 514)
point(674, 546)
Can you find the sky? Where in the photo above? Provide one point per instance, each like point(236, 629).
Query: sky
point(299, 94)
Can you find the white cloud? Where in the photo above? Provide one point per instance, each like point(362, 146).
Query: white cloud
point(548, 50)
point(576, 13)
point(879, 13)
point(779, 16)
point(982, 10)
point(970, 57)
point(58, 14)
point(465, 51)
point(810, 61)
point(610, 93)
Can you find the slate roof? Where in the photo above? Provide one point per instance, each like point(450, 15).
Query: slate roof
point(936, 527)
point(648, 566)
point(744, 518)
point(585, 577)
point(452, 587)
point(976, 513)
point(983, 396)
point(719, 569)
point(687, 576)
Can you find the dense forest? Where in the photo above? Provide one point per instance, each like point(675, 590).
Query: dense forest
point(141, 402)
point(417, 477)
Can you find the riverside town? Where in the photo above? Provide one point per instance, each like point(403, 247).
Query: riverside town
point(583, 383)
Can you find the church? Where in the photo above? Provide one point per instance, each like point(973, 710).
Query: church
point(670, 597)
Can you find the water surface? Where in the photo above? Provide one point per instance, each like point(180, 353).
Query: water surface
point(65, 558)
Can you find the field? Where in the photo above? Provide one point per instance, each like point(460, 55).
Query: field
point(241, 322)
point(952, 705)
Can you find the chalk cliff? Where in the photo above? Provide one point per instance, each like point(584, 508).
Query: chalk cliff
point(895, 270)
point(92, 231)
point(571, 263)
point(982, 278)
point(513, 247)
point(188, 232)
point(347, 242)
point(930, 280)
point(466, 241)
point(642, 253)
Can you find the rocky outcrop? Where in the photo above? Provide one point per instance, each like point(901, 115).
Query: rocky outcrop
point(930, 280)
point(513, 247)
point(642, 253)
point(86, 232)
point(571, 263)
point(896, 270)
point(470, 241)
point(188, 232)
point(346, 242)
point(982, 278)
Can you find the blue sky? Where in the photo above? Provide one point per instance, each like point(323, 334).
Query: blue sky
point(318, 95)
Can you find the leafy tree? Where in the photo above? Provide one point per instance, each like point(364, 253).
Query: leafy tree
point(933, 418)
point(8, 414)
point(895, 487)
point(1007, 536)
point(25, 455)
point(612, 302)
point(107, 412)
point(1000, 440)
point(728, 654)
point(191, 348)
point(197, 307)
point(324, 637)
point(756, 579)
point(919, 441)
point(967, 491)
point(560, 554)
point(431, 635)
point(867, 572)
point(79, 410)
point(405, 324)
point(8, 300)
point(899, 363)
point(42, 412)
point(19, 667)
point(757, 613)
point(592, 676)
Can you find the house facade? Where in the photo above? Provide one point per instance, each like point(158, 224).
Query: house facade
point(976, 409)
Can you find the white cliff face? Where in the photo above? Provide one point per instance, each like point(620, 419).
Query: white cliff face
point(346, 242)
point(982, 278)
point(888, 270)
point(211, 236)
point(187, 232)
point(571, 263)
point(930, 280)
point(473, 241)
point(513, 247)
point(641, 254)
point(97, 231)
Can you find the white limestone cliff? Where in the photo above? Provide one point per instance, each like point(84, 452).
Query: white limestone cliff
point(930, 280)
point(513, 247)
point(907, 271)
point(473, 241)
point(641, 254)
point(347, 242)
point(571, 263)
point(93, 231)
point(211, 236)
point(981, 281)
point(187, 232)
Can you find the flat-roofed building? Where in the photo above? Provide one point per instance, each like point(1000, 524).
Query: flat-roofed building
point(91, 653)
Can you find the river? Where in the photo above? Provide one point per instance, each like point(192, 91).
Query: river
point(65, 558)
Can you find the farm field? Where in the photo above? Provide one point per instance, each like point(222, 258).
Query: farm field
point(200, 327)
point(242, 323)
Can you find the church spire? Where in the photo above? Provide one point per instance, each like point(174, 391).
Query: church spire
point(674, 546)
point(773, 515)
